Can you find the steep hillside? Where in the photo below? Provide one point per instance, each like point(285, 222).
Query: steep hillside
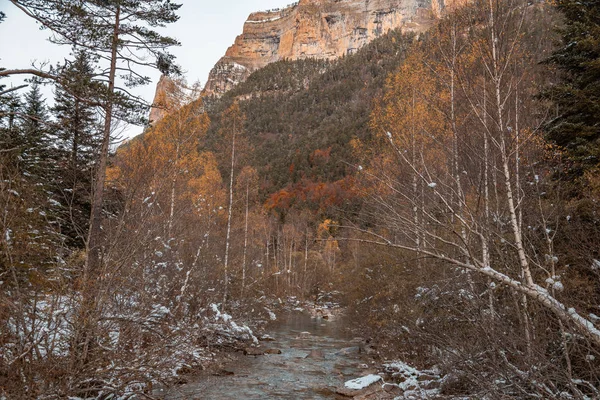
point(303, 114)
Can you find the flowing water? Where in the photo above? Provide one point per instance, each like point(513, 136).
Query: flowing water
point(311, 366)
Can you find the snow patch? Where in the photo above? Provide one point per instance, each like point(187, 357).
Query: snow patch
point(412, 380)
point(229, 327)
point(272, 315)
point(54, 203)
point(363, 382)
point(8, 236)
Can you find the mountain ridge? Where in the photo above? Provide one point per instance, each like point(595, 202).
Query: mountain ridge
point(323, 29)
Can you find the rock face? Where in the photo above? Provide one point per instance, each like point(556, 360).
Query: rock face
point(324, 29)
point(160, 103)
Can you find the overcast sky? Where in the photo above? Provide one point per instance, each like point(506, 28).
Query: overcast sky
point(205, 30)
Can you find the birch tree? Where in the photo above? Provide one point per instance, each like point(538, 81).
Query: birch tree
point(458, 236)
point(232, 129)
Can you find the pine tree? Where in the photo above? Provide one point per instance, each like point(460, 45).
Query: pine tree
point(122, 33)
point(10, 106)
point(577, 97)
point(34, 139)
point(77, 140)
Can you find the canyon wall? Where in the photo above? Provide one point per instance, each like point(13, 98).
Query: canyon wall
point(324, 29)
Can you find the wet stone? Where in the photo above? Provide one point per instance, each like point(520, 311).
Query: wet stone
point(253, 351)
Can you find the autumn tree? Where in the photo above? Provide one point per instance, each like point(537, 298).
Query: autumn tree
point(488, 220)
point(208, 195)
point(416, 130)
point(177, 138)
point(159, 174)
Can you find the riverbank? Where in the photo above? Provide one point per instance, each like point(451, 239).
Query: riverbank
point(306, 353)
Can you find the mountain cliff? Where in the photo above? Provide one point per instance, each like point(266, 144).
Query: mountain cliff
point(160, 103)
point(324, 29)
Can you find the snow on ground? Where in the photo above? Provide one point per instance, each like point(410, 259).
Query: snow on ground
point(272, 315)
point(226, 326)
point(362, 382)
point(416, 384)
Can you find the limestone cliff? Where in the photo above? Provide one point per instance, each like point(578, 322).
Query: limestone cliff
point(160, 103)
point(315, 28)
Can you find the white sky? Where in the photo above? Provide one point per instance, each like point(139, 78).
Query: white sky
point(206, 28)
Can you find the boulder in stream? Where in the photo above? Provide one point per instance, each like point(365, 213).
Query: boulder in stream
point(272, 351)
point(253, 351)
point(360, 386)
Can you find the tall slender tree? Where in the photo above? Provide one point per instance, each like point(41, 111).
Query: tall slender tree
point(232, 129)
point(77, 139)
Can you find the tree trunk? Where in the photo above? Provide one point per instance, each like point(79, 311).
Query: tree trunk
point(245, 240)
point(229, 215)
point(93, 259)
point(84, 337)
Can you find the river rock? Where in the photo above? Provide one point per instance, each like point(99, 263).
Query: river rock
point(223, 372)
point(266, 338)
point(253, 351)
point(304, 334)
point(316, 355)
point(272, 351)
point(360, 387)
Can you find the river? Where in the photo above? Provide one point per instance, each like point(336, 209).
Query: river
point(317, 356)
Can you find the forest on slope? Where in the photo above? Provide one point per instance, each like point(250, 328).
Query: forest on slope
point(444, 186)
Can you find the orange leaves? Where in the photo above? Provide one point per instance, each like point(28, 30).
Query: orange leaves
point(316, 195)
point(206, 190)
point(165, 163)
point(407, 110)
point(325, 228)
point(320, 156)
